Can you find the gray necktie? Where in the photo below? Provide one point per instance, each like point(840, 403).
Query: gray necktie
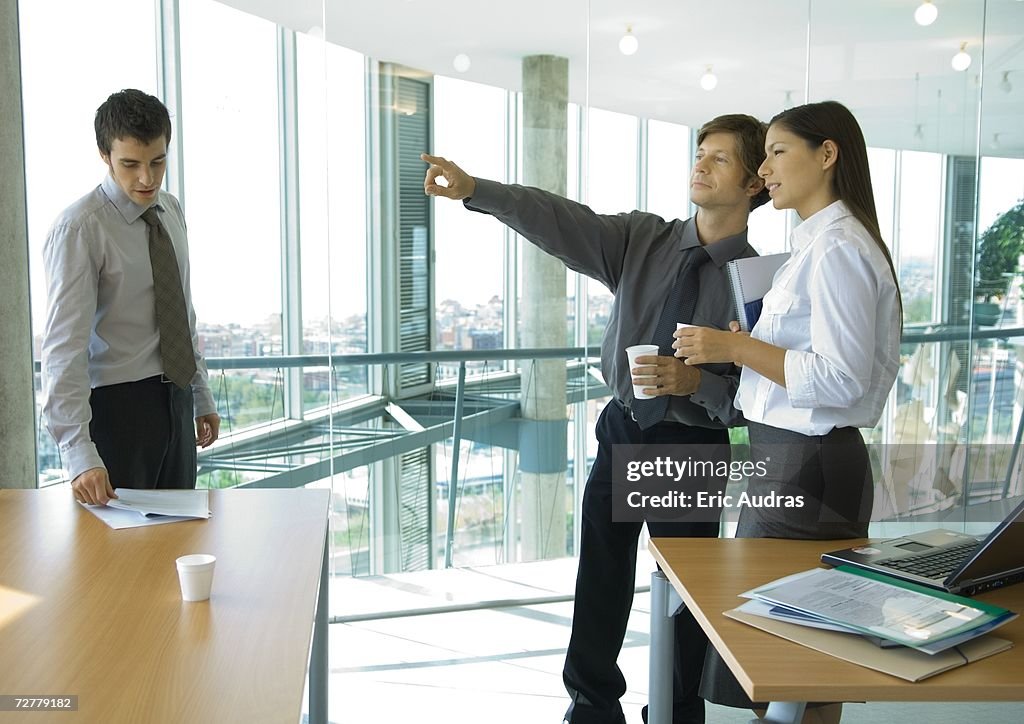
point(176, 353)
point(679, 306)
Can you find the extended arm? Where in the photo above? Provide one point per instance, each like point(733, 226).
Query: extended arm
point(587, 242)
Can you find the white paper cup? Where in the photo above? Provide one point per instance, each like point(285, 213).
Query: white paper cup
point(683, 325)
point(195, 574)
point(640, 350)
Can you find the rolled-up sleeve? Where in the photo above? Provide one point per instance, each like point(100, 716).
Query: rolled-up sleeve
point(836, 371)
point(72, 282)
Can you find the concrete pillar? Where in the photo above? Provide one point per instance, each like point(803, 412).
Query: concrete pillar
point(17, 400)
point(542, 458)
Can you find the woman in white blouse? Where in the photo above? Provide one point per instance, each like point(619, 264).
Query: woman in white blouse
point(824, 354)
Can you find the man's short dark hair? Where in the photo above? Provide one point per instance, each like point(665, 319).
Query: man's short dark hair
point(131, 113)
point(750, 134)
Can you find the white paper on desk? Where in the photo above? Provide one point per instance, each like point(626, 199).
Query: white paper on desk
point(182, 503)
point(136, 508)
point(118, 519)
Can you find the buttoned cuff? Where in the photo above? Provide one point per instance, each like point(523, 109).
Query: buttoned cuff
point(799, 382)
point(80, 458)
point(711, 390)
point(484, 196)
point(715, 394)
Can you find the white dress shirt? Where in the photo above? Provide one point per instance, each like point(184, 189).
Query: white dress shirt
point(833, 307)
point(101, 320)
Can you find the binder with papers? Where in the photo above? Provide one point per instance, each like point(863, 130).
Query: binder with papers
point(899, 628)
point(902, 662)
point(749, 280)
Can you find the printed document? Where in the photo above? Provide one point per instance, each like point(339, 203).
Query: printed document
point(136, 508)
point(889, 610)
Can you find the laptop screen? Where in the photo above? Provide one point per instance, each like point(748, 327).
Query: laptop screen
point(1000, 554)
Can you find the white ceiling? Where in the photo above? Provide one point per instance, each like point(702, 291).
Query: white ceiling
point(865, 53)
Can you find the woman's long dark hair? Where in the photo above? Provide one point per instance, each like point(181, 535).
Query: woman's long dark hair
point(851, 182)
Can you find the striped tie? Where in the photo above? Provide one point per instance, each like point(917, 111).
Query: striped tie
point(176, 353)
point(679, 306)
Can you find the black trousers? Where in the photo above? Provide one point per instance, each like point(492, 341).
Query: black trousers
point(605, 581)
point(145, 434)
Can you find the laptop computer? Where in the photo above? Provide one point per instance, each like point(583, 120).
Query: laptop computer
point(945, 559)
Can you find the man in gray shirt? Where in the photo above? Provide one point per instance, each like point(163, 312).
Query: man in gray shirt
point(640, 258)
point(123, 377)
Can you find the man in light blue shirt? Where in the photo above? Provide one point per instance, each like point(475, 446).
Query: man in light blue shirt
point(117, 418)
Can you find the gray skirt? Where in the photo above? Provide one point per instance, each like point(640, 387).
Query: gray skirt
point(832, 473)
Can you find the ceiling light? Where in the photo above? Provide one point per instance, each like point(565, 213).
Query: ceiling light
point(961, 61)
point(628, 44)
point(709, 80)
point(461, 62)
point(926, 13)
point(1004, 84)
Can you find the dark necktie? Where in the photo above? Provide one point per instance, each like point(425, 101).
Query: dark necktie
point(679, 306)
point(176, 353)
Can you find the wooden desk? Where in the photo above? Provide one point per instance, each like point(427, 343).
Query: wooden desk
point(95, 612)
point(707, 574)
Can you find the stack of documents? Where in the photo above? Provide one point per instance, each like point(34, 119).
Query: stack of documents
point(876, 621)
point(134, 508)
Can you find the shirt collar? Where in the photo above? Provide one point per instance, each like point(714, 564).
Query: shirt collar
point(814, 224)
point(130, 210)
point(722, 251)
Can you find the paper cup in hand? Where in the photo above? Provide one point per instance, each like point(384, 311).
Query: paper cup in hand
point(683, 325)
point(195, 574)
point(640, 350)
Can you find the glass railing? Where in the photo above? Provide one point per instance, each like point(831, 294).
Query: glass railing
point(434, 478)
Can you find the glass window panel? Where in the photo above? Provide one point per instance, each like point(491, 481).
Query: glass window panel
point(882, 163)
point(469, 129)
point(767, 229)
point(332, 212)
point(920, 232)
point(668, 169)
point(611, 149)
point(232, 174)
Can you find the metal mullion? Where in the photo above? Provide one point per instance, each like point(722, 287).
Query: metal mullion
point(168, 48)
point(291, 268)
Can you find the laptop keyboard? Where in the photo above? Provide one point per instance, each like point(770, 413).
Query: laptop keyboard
point(933, 564)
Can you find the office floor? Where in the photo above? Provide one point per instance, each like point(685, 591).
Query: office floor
point(503, 666)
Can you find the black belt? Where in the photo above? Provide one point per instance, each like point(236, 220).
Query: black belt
point(156, 378)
